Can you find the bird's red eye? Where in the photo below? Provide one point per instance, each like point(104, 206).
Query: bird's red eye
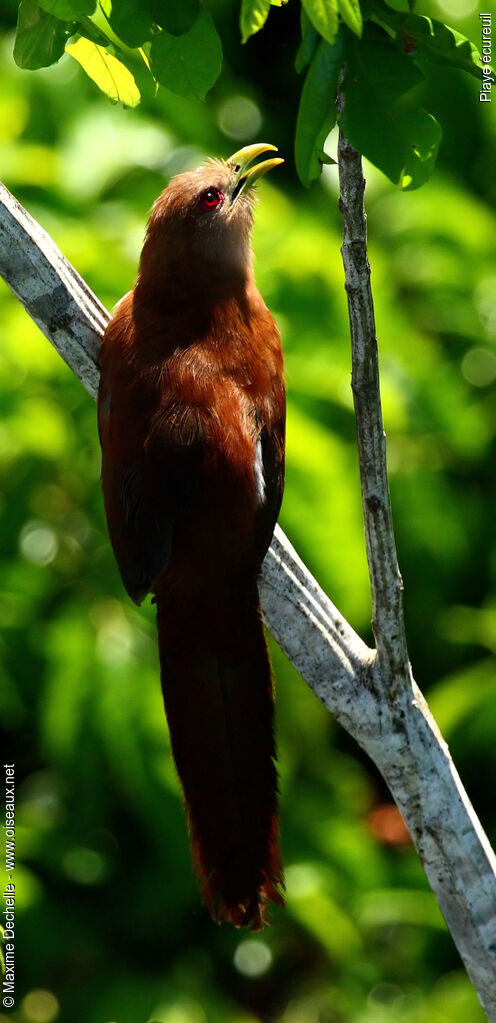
point(211, 199)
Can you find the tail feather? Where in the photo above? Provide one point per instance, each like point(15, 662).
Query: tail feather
point(219, 703)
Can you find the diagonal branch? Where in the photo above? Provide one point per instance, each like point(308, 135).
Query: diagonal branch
point(371, 695)
point(55, 296)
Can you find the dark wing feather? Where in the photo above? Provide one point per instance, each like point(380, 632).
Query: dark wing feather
point(150, 451)
point(144, 498)
point(140, 532)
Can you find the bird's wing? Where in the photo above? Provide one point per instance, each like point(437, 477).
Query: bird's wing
point(148, 476)
point(141, 538)
point(149, 454)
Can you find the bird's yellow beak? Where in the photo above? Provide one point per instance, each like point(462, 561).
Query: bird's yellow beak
point(243, 177)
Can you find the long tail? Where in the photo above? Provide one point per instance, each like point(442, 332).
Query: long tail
point(218, 698)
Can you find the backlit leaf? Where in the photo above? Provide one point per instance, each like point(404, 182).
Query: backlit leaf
point(253, 17)
point(111, 76)
point(324, 16)
point(351, 15)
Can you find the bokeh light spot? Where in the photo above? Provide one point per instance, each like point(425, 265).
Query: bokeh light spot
point(458, 9)
point(40, 1006)
point(38, 543)
point(252, 958)
point(384, 994)
point(387, 825)
point(239, 118)
point(114, 641)
point(184, 1010)
point(302, 880)
point(84, 865)
point(479, 367)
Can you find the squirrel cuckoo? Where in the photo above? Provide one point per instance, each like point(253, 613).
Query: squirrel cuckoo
point(191, 413)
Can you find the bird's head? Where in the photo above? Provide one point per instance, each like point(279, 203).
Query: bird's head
point(204, 217)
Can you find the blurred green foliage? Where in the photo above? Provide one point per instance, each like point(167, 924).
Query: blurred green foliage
point(110, 926)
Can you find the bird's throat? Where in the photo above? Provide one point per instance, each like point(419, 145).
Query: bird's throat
point(203, 275)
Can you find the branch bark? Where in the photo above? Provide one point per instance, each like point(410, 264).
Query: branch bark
point(386, 583)
point(371, 694)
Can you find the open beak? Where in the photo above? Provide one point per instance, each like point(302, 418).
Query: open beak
point(243, 177)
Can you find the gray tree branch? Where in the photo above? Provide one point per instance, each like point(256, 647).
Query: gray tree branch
point(372, 695)
point(385, 578)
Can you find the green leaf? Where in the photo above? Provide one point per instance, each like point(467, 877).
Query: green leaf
point(40, 38)
point(351, 15)
point(131, 22)
point(109, 73)
point(419, 125)
point(68, 10)
point(253, 17)
point(317, 112)
point(309, 42)
point(428, 42)
point(324, 17)
point(87, 28)
point(175, 16)
point(188, 64)
point(379, 118)
point(399, 5)
point(431, 43)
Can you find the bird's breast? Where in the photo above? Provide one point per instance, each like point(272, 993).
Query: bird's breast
point(216, 406)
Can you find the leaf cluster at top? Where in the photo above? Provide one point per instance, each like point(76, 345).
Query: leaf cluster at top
point(375, 53)
point(177, 41)
point(377, 69)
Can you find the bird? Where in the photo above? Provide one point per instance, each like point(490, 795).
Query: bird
point(191, 419)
